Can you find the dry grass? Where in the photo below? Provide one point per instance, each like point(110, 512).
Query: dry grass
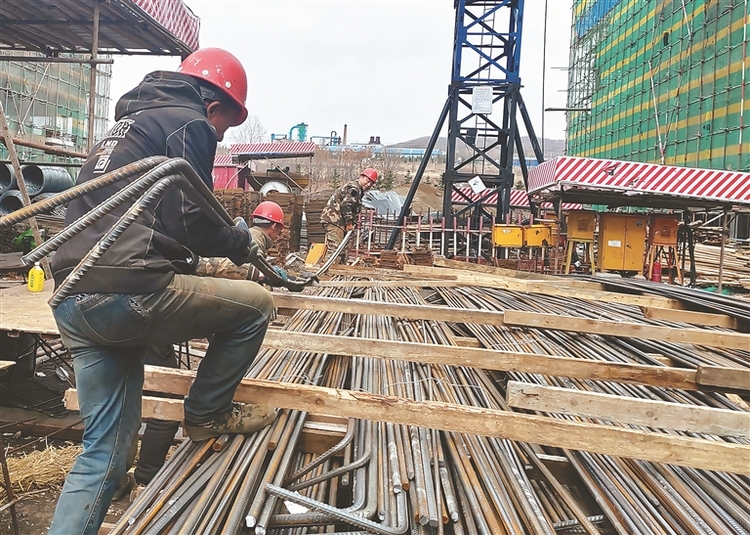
point(41, 469)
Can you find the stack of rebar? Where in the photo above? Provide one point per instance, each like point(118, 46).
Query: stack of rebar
point(388, 478)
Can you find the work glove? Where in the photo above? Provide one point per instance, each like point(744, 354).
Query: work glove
point(241, 224)
point(283, 275)
point(249, 255)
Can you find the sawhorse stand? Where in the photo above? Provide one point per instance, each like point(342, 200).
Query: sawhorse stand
point(669, 256)
point(588, 254)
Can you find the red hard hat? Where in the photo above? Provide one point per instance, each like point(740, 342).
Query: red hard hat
point(270, 211)
point(370, 173)
point(223, 70)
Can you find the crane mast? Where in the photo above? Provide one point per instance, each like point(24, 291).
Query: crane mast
point(482, 109)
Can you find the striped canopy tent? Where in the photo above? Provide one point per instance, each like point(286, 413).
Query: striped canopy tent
point(519, 199)
point(272, 151)
point(620, 183)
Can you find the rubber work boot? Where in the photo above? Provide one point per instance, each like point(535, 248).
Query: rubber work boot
point(241, 419)
point(127, 485)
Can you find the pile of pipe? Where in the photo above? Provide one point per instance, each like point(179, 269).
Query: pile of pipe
point(388, 479)
point(42, 182)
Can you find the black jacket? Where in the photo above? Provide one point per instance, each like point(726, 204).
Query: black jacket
point(164, 115)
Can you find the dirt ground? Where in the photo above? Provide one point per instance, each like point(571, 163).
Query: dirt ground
point(427, 198)
point(36, 508)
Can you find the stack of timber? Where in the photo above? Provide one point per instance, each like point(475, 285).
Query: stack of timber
point(315, 232)
point(427, 425)
point(293, 206)
point(736, 271)
point(233, 201)
point(238, 202)
point(392, 259)
point(422, 255)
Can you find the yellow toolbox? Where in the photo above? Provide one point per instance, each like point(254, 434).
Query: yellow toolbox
point(581, 225)
point(507, 235)
point(537, 236)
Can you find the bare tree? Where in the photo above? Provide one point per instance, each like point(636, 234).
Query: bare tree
point(251, 131)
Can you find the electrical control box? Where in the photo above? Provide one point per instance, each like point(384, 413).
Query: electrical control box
point(507, 235)
point(537, 236)
point(581, 225)
point(622, 242)
point(663, 231)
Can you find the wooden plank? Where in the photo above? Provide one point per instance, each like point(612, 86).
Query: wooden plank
point(731, 378)
point(687, 316)
point(354, 306)
point(24, 311)
point(545, 288)
point(486, 359)
point(463, 341)
point(648, 446)
point(628, 330)
point(379, 273)
point(628, 410)
point(319, 434)
point(67, 427)
point(441, 261)
point(151, 406)
point(401, 283)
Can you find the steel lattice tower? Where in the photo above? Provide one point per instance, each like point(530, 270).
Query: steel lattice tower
point(486, 57)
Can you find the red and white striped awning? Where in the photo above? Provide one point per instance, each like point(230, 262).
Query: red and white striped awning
point(518, 199)
point(289, 149)
point(223, 160)
point(636, 181)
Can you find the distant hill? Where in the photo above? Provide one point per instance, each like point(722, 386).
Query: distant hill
point(552, 147)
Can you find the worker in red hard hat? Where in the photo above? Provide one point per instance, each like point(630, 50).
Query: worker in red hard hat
point(267, 225)
point(340, 214)
point(144, 292)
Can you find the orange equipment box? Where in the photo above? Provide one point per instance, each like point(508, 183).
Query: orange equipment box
point(537, 236)
point(507, 235)
point(663, 231)
point(581, 225)
point(622, 242)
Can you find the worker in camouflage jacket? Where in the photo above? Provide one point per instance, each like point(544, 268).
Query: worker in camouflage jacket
point(268, 223)
point(339, 215)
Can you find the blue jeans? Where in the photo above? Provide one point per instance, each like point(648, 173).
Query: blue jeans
point(106, 335)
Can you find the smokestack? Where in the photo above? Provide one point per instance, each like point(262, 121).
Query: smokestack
point(345, 129)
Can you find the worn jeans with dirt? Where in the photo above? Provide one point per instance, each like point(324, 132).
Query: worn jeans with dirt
point(106, 335)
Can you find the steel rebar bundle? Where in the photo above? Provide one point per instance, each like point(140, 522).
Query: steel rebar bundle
point(388, 478)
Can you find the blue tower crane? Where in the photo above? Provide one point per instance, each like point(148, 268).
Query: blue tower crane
point(484, 77)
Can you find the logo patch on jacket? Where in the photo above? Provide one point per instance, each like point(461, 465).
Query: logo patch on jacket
point(120, 128)
point(105, 153)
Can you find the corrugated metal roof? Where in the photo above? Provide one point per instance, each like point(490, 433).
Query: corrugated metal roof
point(518, 199)
point(161, 27)
point(638, 184)
point(223, 160)
point(254, 151)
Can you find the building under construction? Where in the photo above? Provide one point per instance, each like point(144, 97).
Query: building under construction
point(47, 103)
point(663, 82)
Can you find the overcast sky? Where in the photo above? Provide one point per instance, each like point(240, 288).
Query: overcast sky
point(380, 66)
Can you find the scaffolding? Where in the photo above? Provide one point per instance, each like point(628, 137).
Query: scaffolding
point(47, 103)
point(661, 82)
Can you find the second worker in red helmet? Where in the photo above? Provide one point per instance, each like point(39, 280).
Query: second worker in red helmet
point(340, 214)
point(267, 226)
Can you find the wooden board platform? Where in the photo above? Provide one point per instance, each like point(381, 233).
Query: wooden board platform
point(23, 311)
